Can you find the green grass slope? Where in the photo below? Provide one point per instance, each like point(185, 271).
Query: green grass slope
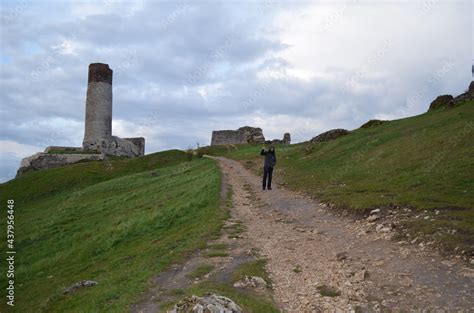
point(42, 184)
point(423, 162)
point(115, 224)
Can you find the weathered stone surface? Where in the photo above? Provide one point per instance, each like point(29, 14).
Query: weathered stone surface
point(98, 104)
point(286, 138)
point(99, 72)
point(80, 284)
point(242, 135)
point(361, 275)
point(330, 135)
point(252, 134)
point(227, 137)
point(210, 303)
point(115, 146)
point(139, 142)
point(372, 218)
point(440, 102)
point(460, 99)
point(122, 147)
point(44, 161)
point(374, 123)
point(251, 282)
point(447, 101)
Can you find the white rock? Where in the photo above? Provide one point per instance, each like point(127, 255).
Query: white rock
point(208, 303)
point(374, 211)
point(361, 275)
point(372, 218)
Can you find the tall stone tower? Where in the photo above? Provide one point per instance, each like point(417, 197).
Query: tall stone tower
point(98, 128)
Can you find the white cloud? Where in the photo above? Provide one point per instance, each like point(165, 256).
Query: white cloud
point(17, 149)
point(183, 69)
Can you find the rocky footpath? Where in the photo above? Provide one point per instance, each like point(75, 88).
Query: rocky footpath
point(319, 260)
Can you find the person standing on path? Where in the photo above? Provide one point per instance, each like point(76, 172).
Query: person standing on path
point(270, 161)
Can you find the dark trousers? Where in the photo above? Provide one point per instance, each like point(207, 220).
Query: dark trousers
point(267, 174)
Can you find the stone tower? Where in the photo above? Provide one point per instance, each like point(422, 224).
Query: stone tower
point(98, 128)
point(98, 139)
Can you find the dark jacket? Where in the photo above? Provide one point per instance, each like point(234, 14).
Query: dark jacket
point(270, 158)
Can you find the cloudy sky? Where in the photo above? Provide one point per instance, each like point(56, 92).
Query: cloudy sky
point(185, 68)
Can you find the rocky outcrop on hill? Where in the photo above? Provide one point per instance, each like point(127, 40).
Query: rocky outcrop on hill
point(440, 102)
point(47, 160)
point(448, 101)
point(330, 135)
point(374, 123)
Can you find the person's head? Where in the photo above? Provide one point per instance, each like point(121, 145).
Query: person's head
point(272, 149)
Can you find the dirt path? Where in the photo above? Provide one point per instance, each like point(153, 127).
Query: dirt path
point(319, 261)
point(224, 254)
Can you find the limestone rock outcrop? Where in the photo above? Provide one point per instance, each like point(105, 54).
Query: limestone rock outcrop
point(448, 101)
point(210, 303)
point(43, 160)
point(374, 123)
point(440, 102)
point(330, 135)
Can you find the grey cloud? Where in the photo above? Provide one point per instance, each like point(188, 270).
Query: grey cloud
point(166, 57)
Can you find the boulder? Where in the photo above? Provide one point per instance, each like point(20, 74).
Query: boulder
point(330, 135)
point(440, 102)
point(210, 303)
point(286, 138)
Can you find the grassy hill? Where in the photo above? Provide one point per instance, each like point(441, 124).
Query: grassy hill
point(424, 162)
point(113, 223)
